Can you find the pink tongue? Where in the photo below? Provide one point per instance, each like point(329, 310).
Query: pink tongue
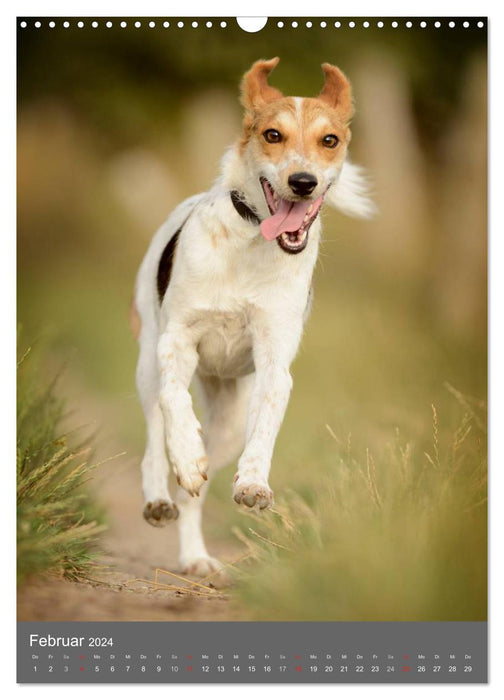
point(288, 218)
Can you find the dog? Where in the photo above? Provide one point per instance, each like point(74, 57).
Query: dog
point(222, 296)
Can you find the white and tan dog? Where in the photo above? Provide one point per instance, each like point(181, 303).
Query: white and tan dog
point(222, 296)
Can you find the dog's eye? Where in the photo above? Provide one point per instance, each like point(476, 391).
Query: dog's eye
point(272, 136)
point(330, 141)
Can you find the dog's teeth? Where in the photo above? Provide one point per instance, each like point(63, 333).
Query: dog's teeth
point(294, 239)
point(309, 210)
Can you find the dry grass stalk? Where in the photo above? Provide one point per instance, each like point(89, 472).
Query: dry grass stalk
point(467, 406)
point(265, 539)
point(181, 578)
point(182, 590)
point(370, 480)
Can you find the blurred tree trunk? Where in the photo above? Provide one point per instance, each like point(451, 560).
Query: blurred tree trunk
point(145, 186)
point(211, 123)
point(388, 145)
point(460, 268)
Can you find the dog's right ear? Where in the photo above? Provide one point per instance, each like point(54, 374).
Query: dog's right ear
point(255, 91)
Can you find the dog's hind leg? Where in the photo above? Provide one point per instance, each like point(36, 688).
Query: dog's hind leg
point(225, 405)
point(159, 508)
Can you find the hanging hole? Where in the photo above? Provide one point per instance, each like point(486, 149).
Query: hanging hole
point(251, 24)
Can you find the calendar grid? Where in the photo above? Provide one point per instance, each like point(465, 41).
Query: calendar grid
point(248, 652)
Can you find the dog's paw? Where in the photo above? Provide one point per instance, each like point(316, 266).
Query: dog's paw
point(159, 513)
point(192, 479)
point(252, 494)
point(206, 566)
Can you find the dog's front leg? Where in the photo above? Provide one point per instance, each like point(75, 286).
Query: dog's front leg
point(275, 345)
point(178, 359)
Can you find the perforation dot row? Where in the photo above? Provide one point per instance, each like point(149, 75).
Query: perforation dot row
point(123, 24)
point(380, 24)
point(280, 24)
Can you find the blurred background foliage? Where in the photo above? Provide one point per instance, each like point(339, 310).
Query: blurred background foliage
point(116, 126)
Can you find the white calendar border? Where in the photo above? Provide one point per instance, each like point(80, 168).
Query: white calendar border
point(7, 352)
point(259, 8)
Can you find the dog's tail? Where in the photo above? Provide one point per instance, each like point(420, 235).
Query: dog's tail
point(351, 194)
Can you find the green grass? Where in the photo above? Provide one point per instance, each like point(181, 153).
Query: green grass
point(57, 523)
point(397, 535)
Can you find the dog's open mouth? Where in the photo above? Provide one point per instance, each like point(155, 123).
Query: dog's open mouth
point(290, 221)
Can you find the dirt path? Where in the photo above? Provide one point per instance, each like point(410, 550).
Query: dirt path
point(131, 548)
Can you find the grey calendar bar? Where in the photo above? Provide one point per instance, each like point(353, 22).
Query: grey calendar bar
point(252, 652)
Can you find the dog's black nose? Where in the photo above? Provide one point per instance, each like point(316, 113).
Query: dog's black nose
point(302, 183)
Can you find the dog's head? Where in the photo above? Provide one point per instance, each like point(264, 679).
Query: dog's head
point(295, 147)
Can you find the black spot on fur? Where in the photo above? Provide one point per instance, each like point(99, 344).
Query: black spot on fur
point(166, 264)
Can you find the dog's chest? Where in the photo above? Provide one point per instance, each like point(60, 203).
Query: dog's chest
point(225, 344)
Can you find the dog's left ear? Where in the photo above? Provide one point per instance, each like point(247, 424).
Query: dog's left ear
point(255, 91)
point(337, 92)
